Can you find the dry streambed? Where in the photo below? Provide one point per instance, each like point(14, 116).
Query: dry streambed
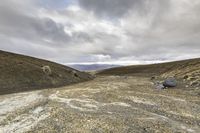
point(113, 103)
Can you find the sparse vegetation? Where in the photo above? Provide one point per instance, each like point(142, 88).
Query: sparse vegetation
point(22, 73)
point(113, 104)
point(187, 71)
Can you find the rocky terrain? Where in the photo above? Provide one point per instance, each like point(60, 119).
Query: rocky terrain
point(118, 100)
point(121, 104)
point(22, 73)
point(186, 71)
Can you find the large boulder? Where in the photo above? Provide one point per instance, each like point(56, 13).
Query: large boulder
point(170, 82)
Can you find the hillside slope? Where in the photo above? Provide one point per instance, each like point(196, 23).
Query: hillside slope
point(177, 68)
point(187, 70)
point(23, 73)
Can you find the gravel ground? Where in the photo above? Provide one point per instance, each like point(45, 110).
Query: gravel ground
point(111, 104)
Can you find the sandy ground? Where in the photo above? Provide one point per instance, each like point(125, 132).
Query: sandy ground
point(114, 104)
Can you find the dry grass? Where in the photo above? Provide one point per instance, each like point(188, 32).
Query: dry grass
point(22, 73)
point(186, 70)
point(178, 69)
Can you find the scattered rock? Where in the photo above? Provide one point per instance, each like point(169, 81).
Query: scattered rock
point(170, 82)
point(186, 77)
point(47, 70)
point(153, 77)
point(191, 78)
point(160, 86)
point(75, 73)
point(125, 77)
point(195, 83)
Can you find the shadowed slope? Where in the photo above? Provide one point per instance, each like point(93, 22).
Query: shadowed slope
point(23, 73)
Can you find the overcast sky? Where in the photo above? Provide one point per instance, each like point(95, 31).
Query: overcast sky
point(103, 31)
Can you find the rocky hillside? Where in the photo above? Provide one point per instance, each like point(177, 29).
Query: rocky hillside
point(186, 70)
point(23, 73)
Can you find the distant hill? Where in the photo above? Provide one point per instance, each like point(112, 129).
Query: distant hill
point(187, 70)
point(92, 67)
point(23, 73)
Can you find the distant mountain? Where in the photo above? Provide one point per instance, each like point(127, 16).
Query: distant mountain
point(92, 67)
point(24, 73)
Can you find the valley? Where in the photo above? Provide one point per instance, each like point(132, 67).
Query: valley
point(105, 104)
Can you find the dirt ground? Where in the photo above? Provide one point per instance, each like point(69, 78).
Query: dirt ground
point(108, 104)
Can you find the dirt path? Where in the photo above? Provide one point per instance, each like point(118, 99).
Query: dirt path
point(106, 104)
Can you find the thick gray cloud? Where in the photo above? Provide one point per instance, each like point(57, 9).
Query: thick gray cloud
point(101, 30)
point(16, 23)
point(119, 8)
point(152, 27)
point(112, 8)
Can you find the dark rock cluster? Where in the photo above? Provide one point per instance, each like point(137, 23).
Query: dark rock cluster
point(167, 83)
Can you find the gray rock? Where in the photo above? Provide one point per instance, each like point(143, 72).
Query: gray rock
point(170, 82)
point(160, 86)
point(195, 83)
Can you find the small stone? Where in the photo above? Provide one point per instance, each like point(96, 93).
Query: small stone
point(160, 86)
point(153, 77)
point(194, 83)
point(186, 77)
point(191, 78)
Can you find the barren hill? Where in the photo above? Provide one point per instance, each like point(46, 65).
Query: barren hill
point(186, 70)
point(22, 73)
point(176, 68)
